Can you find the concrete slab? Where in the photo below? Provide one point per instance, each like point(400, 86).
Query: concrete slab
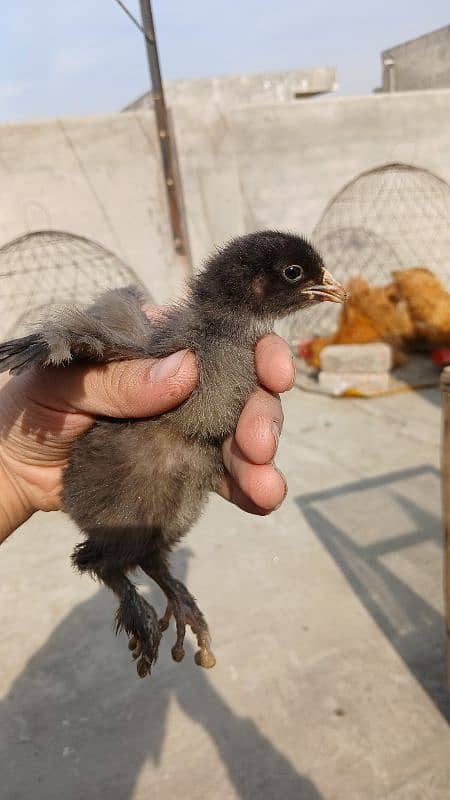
point(327, 623)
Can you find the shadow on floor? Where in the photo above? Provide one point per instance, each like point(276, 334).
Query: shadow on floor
point(433, 396)
point(412, 625)
point(77, 721)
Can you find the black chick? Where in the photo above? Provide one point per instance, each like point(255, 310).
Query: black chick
point(135, 487)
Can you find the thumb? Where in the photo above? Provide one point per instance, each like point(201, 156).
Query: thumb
point(137, 388)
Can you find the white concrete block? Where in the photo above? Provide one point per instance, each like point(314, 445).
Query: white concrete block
point(376, 357)
point(337, 383)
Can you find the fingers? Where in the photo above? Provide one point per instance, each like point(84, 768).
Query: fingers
point(274, 363)
point(263, 485)
point(253, 483)
point(138, 388)
point(259, 427)
point(230, 490)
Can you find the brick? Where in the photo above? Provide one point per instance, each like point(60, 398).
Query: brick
point(338, 383)
point(376, 357)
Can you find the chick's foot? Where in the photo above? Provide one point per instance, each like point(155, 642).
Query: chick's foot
point(185, 611)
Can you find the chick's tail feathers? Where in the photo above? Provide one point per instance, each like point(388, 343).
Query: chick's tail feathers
point(113, 328)
point(19, 354)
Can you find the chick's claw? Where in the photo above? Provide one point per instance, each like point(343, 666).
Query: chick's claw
point(144, 659)
point(205, 657)
point(144, 666)
point(186, 612)
point(135, 646)
point(164, 621)
point(178, 652)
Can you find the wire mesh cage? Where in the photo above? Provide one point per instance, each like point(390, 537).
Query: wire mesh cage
point(392, 217)
point(47, 268)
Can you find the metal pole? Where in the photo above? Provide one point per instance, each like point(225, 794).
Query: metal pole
point(166, 144)
point(445, 465)
point(389, 74)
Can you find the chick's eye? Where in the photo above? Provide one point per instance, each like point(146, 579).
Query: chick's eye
point(293, 273)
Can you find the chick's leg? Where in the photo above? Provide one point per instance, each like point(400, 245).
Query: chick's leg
point(138, 619)
point(140, 622)
point(183, 607)
point(134, 615)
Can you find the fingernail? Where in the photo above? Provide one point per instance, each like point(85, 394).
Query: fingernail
point(294, 371)
point(165, 368)
point(276, 432)
point(285, 488)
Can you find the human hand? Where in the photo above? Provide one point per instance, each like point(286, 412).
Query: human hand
point(43, 411)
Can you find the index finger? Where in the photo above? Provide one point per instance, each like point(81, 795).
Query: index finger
point(274, 363)
point(135, 388)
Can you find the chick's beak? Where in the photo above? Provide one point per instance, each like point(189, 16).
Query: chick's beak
point(329, 289)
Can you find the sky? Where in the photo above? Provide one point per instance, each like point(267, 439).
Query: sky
point(85, 56)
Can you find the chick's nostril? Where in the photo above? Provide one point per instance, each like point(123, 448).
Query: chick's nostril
point(327, 278)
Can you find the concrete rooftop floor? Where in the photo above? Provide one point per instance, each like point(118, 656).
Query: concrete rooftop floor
point(327, 625)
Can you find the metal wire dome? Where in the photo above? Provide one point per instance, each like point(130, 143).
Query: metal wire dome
point(392, 217)
point(48, 268)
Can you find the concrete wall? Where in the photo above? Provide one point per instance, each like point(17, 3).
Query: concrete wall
point(281, 166)
point(422, 63)
point(262, 88)
point(242, 168)
point(95, 177)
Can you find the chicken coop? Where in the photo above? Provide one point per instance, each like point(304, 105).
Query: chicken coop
point(48, 268)
point(395, 216)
